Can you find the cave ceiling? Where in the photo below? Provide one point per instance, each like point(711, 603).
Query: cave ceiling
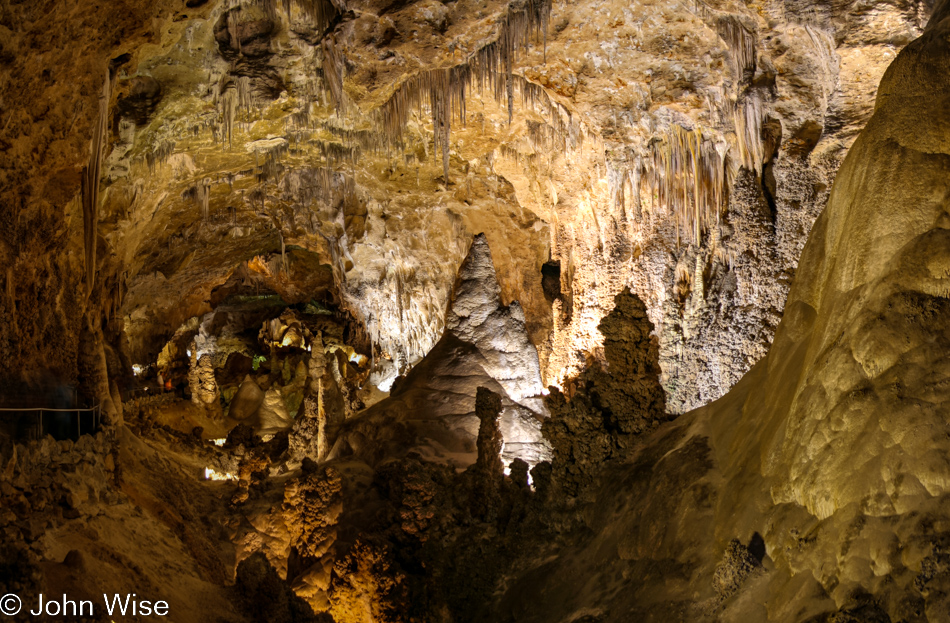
point(348, 152)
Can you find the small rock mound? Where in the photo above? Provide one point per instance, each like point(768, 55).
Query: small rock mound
point(265, 597)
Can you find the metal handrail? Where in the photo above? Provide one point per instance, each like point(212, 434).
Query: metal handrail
point(95, 410)
point(73, 410)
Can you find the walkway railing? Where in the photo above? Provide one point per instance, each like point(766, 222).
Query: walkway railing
point(45, 421)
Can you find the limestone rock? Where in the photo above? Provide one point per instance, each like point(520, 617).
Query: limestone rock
point(284, 151)
point(476, 316)
point(247, 401)
point(265, 596)
point(272, 416)
point(831, 438)
point(431, 410)
point(609, 407)
point(204, 387)
point(312, 504)
point(490, 441)
point(736, 567)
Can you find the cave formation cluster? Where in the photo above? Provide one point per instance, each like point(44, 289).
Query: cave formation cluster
point(477, 311)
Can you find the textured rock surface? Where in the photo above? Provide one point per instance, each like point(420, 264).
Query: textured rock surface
point(609, 407)
point(476, 316)
point(164, 167)
point(827, 450)
point(253, 145)
point(431, 410)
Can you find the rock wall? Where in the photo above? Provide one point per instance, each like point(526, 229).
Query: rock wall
point(819, 472)
point(758, 113)
point(682, 150)
point(50, 87)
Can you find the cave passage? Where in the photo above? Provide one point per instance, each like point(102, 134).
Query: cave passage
point(476, 311)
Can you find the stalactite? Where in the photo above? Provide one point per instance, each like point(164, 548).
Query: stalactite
point(686, 176)
point(741, 42)
point(622, 183)
point(200, 193)
point(333, 71)
point(747, 117)
point(90, 183)
point(334, 154)
point(824, 46)
point(234, 96)
point(322, 13)
point(229, 104)
point(159, 154)
point(234, 36)
point(204, 198)
point(738, 37)
point(245, 98)
point(443, 91)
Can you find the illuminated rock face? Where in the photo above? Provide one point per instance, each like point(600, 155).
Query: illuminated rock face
point(813, 490)
point(247, 143)
point(348, 155)
point(432, 410)
point(476, 316)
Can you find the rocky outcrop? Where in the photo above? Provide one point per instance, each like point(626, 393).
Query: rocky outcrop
point(476, 316)
point(430, 410)
point(265, 596)
point(828, 449)
point(608, 408)
point(63, 479)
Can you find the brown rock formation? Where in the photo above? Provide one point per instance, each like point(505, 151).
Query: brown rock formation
point(609, 407)
point(490, 441)
point(827, 448)
point(488, 470)
point(266, 597)
point(176, 176)
point(312, 506)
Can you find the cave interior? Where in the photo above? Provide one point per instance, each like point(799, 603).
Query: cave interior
point(475, 311)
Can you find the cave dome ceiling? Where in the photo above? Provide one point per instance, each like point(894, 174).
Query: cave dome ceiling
point(349, 151)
